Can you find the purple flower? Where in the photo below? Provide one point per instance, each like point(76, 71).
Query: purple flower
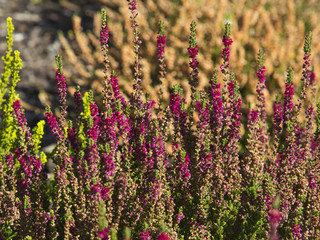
point(277, 117)
point(252, 117)
point(226, 54)
point(216, 103)
point(262, 115)
point(108, 164)
point(296, 231)
point(275, 217)
point(163, 236)
point(77, 99)
point(193, 51)
point(62, 88)
point(260, 74)
point(30, 170)
point(312, 182)
point(25, 166)
point(306, 79)
point(17, 111)
point(93, 132)
point(231, 88)
point(194, 66)
point(54, 126)
point(104, 234)
point(312, 76)
point(50, 217)
point(61, 81)
point(109, 124)
point(20, 118)
point(72, 136)
point(10, 162)
point(145, 235)
point(37, 165)
point(236, 119)
point(312, 179)
point(269, 202)
point(289, 92)
point(178, 113)
point(132, 4)
point(227, 41)
point(175, 104)
point(116, 91)
point(102, 191)
point(94, 109)
point(184, 168)
point(161, 44)
point(180, 216)
point(104, 35)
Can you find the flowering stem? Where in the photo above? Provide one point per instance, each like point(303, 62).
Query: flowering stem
point(307, 76)
point(161, 45)
point(104, 42)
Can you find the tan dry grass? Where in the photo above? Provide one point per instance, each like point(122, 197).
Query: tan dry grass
point(278, 27)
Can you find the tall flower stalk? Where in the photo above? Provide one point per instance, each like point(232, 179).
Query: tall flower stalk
point(193, 63)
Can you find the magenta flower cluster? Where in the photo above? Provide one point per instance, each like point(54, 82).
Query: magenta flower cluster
point(161, 43)
point(227, 41)
point(104, 35)
point(132, 4)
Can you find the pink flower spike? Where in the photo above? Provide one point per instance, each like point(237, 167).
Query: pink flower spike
point(161, 44)
point(193, 51)
point(132, 5)
point(104, 35)
point(227, 41)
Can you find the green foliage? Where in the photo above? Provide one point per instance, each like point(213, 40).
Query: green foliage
point(102, 217)
point(177, 89)
point(9, 79)
point(9, 139)
point(255, 220)
point(227, 28)
point(7, 231)
point(8, 58)
point(86, 114)
point(37, 136)
point(127, 233)
point(307, 44)
point(59, 63)
point(290, 75)
point(161, 28)
point(215, 77)
point(114, 234)
point(260, 59)
point(103, 17)
point(26, 203)
point(193, 38)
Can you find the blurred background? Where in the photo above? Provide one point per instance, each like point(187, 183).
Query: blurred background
point(45, 28)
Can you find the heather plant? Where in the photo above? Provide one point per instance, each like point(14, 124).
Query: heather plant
point(23, 192)
point(128, 168)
